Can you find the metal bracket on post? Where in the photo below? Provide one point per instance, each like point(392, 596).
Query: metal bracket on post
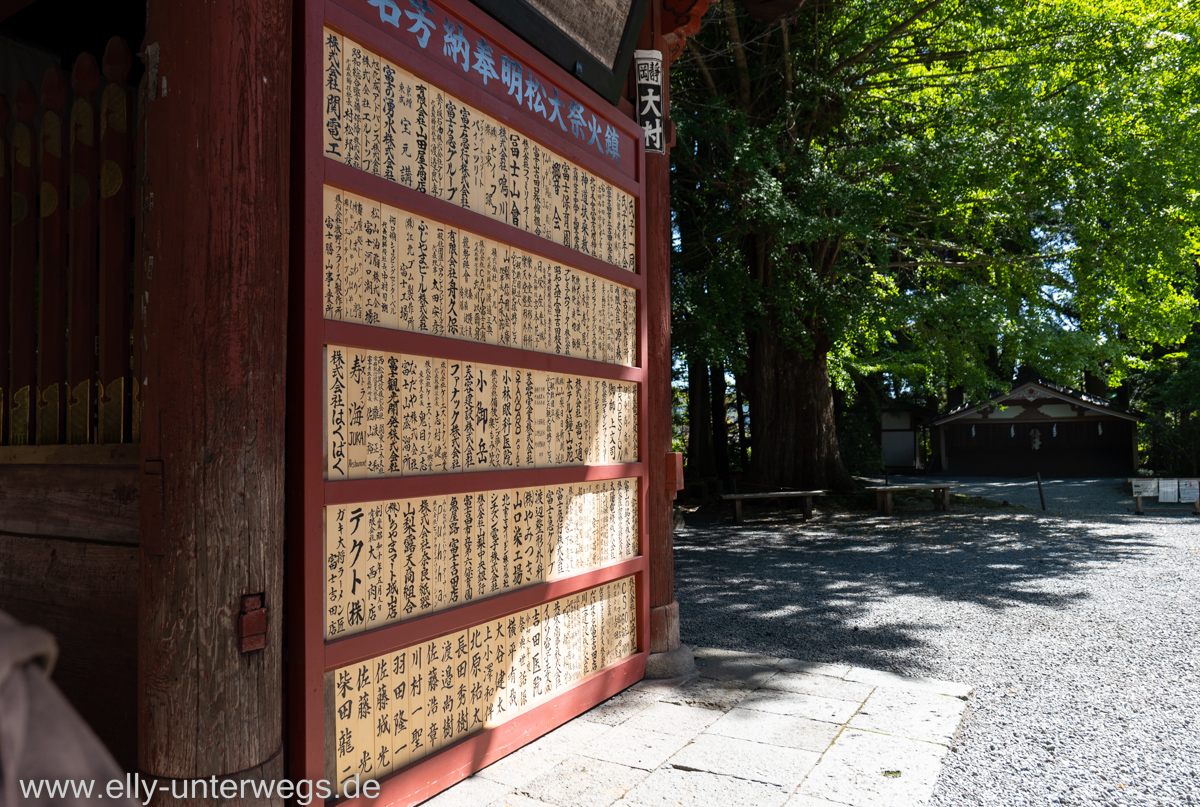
point(252, 623)
point(674, 473)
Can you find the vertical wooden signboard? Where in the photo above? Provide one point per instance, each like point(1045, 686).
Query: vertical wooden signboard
point(467, 547)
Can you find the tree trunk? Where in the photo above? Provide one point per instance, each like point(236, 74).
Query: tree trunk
point(700, 449)
point(954, 398)
point(720, 423)
point(796, 444)
point(743, 446)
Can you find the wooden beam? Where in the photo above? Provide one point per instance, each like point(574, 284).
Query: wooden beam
point(78, 502)
point(215, 232)
point(664, 610)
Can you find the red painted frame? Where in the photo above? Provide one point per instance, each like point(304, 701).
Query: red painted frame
point(310, 656)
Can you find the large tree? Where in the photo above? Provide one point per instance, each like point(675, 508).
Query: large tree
point(938, 190)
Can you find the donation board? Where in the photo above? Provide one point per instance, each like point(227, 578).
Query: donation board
point(466, 485)
point(1145, 487)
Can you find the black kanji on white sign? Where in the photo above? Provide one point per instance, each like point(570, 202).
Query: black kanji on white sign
point(648, 71)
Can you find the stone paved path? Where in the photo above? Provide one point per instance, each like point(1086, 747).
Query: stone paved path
point(1076, 628)
point(746, 730)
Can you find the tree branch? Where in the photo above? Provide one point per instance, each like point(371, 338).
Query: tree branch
point(893, 32)
point(704, 71)
point(739, 54)
point(789, 110)
point(1068, 85)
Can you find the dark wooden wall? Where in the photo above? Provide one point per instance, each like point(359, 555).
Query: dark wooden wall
point(1078, 450)
point(69, 564)
point(69, 463)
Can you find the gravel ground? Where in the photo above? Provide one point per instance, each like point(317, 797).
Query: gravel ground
point(1077, 628)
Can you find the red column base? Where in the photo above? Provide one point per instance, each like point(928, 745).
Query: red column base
point(664, 627)
point(668, 658)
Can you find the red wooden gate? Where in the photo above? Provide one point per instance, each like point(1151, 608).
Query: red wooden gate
point(466, 496)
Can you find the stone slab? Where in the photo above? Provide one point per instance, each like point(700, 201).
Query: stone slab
point(814, 667)
point(619, 708)
point(670, 663)
point(658, 687)
point(637, 748)
point(746, 729)
point(881, 678)
point(521, 766)
point(671, 787)
point(511, 800)
point(747, 672)
point(864, 769)
point(799, 800)
point(709, 693)
point(671, 718)
point(475, 790)
point(821, 685)
point(910, 713)
point(744, 759)
point(580, 781)
point(570, 738)
point(798, 704)
point(774, 729)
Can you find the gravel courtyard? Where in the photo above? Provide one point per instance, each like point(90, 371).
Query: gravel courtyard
point(1077, 627)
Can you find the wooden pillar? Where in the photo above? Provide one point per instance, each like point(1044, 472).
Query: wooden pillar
point(664, 610)
point(667, 657)
point(115, 216)
point(23, 335)
point(54, 159)
point(81, 312)
point(5, 258)
point(214, 252)
point(139, 261)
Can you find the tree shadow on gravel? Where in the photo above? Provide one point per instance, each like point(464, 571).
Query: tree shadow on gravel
point(786, 588)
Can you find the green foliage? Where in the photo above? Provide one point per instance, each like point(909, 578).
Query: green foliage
point(858, 426)
point(679, 422)
point(941, 190)
point(1168, 392)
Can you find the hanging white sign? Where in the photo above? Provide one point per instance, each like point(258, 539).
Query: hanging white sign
point(648, 73)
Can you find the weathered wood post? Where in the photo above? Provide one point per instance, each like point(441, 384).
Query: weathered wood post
point(23, 340)
point(81, 310)
point(116, 152)
point(5, 258)
point(54, 160)
point(668, 657)
point(214, 250)
point(139, 260)
point(115, 219)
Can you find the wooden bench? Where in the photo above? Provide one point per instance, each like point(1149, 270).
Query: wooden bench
point(883, 495)
point(807, 495)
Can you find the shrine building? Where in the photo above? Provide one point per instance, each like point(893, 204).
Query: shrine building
point(1036, 427)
